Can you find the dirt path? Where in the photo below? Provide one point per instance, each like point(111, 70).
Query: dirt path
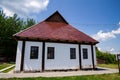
point(59, 74)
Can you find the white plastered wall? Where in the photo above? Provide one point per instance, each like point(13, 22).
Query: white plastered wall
point(32, 64)
point(18, 56)
point(62, 57)
point(86, 63)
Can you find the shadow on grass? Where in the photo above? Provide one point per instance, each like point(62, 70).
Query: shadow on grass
point(96, 69)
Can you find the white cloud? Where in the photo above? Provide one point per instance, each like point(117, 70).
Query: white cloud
point(112, 49)
point(119, 23)
point(99, 48)
point(103, 36)
point(23, 7)
point(116, 31)
point(7, 12)
point(108, 49)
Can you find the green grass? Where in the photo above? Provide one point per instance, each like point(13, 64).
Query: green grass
point(113, 66)
point(4, 65)
point(90, 77)
point(6, 71)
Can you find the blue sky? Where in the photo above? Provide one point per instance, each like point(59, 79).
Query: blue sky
point(98, 18)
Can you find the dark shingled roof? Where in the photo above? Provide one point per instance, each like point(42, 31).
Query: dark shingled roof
point(55, 28)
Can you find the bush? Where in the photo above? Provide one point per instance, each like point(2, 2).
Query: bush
point(106, 56)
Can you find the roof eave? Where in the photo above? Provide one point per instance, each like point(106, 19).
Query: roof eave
point(54, 40)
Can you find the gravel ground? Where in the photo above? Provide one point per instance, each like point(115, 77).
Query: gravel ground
point(59, 73)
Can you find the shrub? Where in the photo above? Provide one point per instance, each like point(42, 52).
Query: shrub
point(106, 56)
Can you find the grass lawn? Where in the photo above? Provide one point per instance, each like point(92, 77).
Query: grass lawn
point(114, 66)
point(5, 71)
point(90, 77)
point(4, 65)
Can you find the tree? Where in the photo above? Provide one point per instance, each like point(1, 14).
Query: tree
point(8, 27)
point(105, 56)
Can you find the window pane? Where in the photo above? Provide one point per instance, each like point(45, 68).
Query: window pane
point(50, 53)
point(72, 53)
point(85, 53)
point(34, 52)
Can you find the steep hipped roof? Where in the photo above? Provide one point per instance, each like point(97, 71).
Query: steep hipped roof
point(55, 28)
point(56, 17)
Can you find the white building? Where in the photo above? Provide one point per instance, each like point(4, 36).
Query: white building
point(54, 44)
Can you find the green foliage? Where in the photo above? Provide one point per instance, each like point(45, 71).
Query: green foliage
point(8, 70)
point(113, 66)
point(2, 66)
point(106, 56)
point(86, 77)
point(8, 27)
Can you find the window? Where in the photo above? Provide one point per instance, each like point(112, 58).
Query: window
point(85, 53)
point(50, 53)
point(34, 52)
point(72, 53)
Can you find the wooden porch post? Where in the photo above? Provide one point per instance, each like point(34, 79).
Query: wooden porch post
point(22, 56)
point(80, 59)
point(43, 56)
point(93, 63)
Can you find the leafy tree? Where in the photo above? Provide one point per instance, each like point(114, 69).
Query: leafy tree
point(8, 27)
point(106, 56)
